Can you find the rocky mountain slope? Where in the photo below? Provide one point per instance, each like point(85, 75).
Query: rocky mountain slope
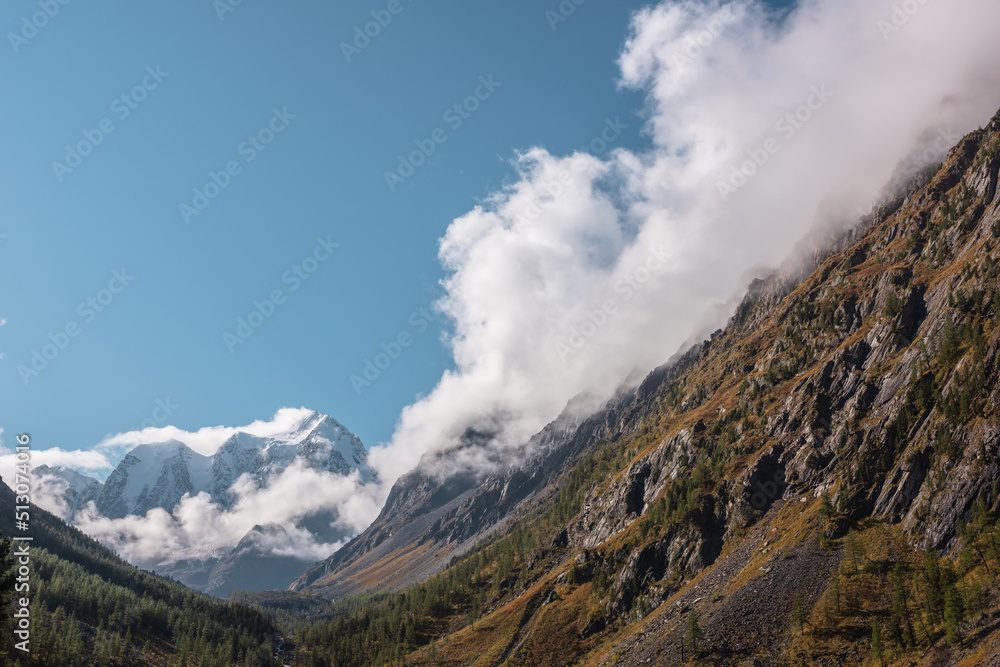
point(815, 484)
point(428, 519)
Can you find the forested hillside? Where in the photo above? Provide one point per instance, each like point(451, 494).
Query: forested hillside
point(89, 607)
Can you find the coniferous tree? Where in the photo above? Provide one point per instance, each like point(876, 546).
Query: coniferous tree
point(901, 620)
point(933, 596)
point(954, 613)
point(972, 533)
point(831, 606)
point(694, 632)
point(878, 649)
point(826, 509)
point(855, 552)
point(7, 577)
point(799, 613)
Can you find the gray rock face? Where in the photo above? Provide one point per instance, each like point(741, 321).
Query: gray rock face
point(237, 456)
point(851, 427)
point(150, 476)
point(444, 517)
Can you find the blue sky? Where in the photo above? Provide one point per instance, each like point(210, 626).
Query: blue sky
point(168, 286)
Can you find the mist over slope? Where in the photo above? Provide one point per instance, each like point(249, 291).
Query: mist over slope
point(584, 270)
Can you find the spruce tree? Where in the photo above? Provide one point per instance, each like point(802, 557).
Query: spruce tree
point(954, 614)
point(900, 608)
point(977, 599)
point(799, 613)
point(855, 552)
point(826, 509)
point(831, 606)
point(974, 532)
point(7, 575)
point(878, 649)
point(694, 633)
point(933, 597)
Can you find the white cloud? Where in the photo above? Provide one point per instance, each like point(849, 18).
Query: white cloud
point(81, 460)
point(529, 270)
point(48, 491)
point(208, 440)
point(198, 528)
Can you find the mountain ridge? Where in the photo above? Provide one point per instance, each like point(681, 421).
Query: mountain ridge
point(159, 475)
point(843, 426)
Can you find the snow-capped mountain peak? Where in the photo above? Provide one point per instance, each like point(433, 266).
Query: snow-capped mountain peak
point(237, 471)
point(160, 474)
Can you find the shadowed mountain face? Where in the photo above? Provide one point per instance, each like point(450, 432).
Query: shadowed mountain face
point(252, 565)
point(74, 489)
point(781, 480)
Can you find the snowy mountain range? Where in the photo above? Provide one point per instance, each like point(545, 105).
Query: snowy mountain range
point(160, 475)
